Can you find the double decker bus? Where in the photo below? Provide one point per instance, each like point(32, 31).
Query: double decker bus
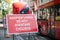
point(49, 21)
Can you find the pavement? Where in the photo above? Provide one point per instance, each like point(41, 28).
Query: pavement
point(28, 36)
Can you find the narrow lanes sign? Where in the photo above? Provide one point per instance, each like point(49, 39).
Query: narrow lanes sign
point(21, 23)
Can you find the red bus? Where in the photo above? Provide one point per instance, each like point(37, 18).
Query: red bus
point(49, 21)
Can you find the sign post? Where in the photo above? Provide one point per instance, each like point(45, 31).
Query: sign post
point(21, 23)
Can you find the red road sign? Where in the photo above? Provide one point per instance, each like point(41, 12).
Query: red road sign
point(21, 23)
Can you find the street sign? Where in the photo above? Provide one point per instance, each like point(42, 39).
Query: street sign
point(21, 23)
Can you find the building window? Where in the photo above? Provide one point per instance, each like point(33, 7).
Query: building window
point(41, 1)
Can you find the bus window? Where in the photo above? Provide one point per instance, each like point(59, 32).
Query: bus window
point(57, 17)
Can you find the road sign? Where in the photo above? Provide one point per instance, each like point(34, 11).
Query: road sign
point(21, 23)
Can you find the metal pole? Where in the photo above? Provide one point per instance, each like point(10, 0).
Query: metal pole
point(13, 36)
point(29, 36)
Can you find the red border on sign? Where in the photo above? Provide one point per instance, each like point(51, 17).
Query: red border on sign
point(22, 32)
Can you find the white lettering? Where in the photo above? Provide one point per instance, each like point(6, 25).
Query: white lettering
point(22, 24)
point(22, 28)
point(18, 21)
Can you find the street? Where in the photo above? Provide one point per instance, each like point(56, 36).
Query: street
point(28, 36)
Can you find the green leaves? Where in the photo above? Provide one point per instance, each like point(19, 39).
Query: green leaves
point(0, 1)
point(4, 12)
